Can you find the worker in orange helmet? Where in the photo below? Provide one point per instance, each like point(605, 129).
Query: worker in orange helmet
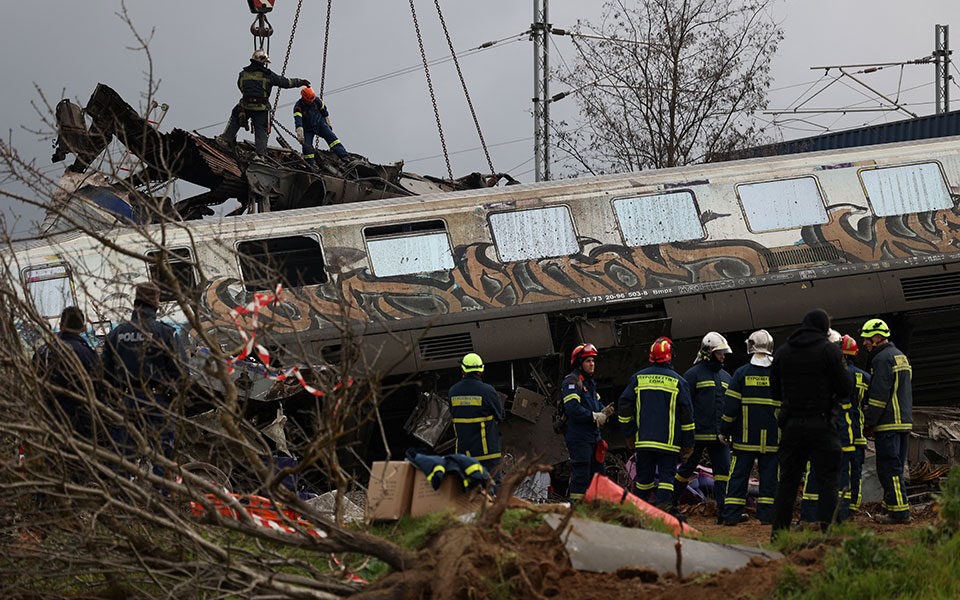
point(311, 118)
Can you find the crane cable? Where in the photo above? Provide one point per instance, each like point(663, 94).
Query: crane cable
point(433, 97)
point(463, 84)
point(286, 59)
point(326, 44)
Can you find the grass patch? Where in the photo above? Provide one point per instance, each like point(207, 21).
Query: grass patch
point(911, 564)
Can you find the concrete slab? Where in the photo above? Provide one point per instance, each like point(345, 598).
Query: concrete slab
point(603, 548)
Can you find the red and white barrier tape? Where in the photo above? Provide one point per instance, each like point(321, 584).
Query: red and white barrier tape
point(261, 300)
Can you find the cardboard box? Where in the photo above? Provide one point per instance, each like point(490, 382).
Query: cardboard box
point(449, 497)
point(389, 489)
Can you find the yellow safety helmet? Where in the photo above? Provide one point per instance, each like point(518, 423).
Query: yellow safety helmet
point(875, 327)
point(472, 363)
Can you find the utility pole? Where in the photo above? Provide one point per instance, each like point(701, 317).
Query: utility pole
point(540, 31)
point(941, 56)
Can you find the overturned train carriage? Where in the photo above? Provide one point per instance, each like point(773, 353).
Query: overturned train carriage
point(521, 274)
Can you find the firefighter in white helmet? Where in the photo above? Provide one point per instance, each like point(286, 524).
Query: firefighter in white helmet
point(708, 382)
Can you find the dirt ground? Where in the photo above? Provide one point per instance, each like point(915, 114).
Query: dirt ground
point(482, 561)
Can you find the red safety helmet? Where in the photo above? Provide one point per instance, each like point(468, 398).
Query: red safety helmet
point(581, 352)
point(661, 351)
point(848, 346)
point(308, 94)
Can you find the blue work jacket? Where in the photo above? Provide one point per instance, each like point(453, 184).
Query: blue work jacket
point(750, 415)
point(580, 401)
point(890, 393)
point(476, 410)
point(655, 410)
point(708, 382)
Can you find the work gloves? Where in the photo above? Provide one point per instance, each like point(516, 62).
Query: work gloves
point(599, 418)
point(302, 83)
point(300, 134)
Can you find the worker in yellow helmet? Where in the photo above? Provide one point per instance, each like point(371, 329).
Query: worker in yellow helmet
point(476, 410)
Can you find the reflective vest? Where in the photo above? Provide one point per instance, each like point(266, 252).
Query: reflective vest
point(890, 393)
point(476, 409)
point(750, 415)
point(656, 411)
point(708, 383)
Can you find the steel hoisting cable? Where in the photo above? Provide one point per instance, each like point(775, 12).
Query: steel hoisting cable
point(433, 97)
point(286, 59)
point(326, 44)
point(463, 84)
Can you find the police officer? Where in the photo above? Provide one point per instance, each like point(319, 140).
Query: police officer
point(585, 417)
point(708, 382)
point(476, 410)
point(656, 416)
point(750, 422)
point(311, 118)
point(70, 386)
point(145, 361)
point(888, 416)
point(809, 378)
point(256, 83)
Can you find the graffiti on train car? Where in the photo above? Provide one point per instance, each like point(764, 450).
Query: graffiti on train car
point(599, 272)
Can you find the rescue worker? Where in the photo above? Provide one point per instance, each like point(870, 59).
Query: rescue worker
point(311, 118)
point(750, 423)
point(145, 361)
point(861, 380)
point(809, 379)
point(849, 424)
point(256, 83)
point(71, 379)
point(585, 417)
point(476, 410)
point(888, 416)
point(708, 382)
point(656, 417)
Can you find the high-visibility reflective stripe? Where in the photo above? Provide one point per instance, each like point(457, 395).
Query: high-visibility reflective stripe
point(645, 486)
point(894, 427)
point(681, 478)
point(764, 500)
point(812, 497)
point(624, 419)
point(745, 424)
point(664, 485)
point(757, 380)
point(724, 384)
point(576, 496)
point(297, 114)
point(898, 492)
point(688, 427)
point(570, 397)
point(735, 501)
point(473, 419)
point(761, 402)
point(704, 437)
point(483, 437)
point(334, 143)
point(876, 403)
point(436, 470)
point(656, 446)
point(309, 156)
point(734, 394)
point(721, 478)
point(755, 448)
point(726, 419)
point(487, 456)
point(705, 384)
point(467, 401)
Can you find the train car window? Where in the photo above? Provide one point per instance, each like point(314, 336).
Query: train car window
point(906, 189)
point(295, 261)
point(782, 204)
point(532, 234)
point(180, 263)
point(50, 287)
point(408, 248)
point(658, 219)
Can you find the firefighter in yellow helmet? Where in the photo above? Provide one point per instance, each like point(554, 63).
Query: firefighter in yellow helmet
point(476, 410)
point(888, 415)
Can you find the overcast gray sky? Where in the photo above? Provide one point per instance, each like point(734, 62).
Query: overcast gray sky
point(67, 47)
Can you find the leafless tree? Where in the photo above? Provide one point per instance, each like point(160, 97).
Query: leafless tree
point(663, 83)
point(88, 514)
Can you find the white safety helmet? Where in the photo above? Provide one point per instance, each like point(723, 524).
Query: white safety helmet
point(712, 342)
point(260, 56)
point(834, 337)
point(760, 342)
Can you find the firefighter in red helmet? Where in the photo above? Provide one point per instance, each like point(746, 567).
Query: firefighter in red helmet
point(656, 416)
point(585, 416)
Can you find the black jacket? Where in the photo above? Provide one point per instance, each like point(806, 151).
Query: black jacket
point(808, 375)
point(145, 356)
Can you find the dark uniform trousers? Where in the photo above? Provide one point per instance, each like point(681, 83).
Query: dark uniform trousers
point(892, 449)
point(811, 490)
point(814, 439)
point(720, 463)
point(740, 468)
point(656, 468)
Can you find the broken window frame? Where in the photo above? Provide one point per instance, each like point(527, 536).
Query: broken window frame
point(875, 180)
point(428, 248)
point(563, 245)
point(255, 281)
point(183, 266)
point(758, 208)
point(631, 224)
point(65, 299)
